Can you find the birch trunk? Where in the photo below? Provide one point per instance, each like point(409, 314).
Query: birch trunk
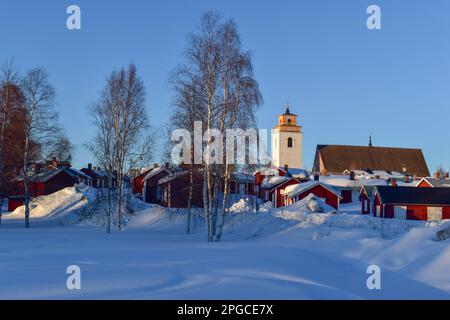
point(26, 183)
point(189, 204)
point(226, 193)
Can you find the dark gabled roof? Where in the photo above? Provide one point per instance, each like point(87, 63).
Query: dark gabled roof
point(337, 159)
point(414, 196)
point(368, 190)
point(46, 174)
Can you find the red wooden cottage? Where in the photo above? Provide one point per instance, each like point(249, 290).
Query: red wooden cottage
point(366, 198)
point(99, 178)
point(150, 183)
point(173, 190)
point(273, 188)
point(243, 184)
point(47, 182)
point(297, 192)
point(137, 182)
point(429, 204)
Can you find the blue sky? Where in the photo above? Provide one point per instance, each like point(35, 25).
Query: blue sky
point(343, 80)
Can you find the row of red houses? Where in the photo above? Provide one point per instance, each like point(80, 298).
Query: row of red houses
point(429, 200)
point(169, 188)
point(54, 176)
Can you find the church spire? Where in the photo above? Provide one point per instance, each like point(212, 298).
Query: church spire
point(287, 109)
point(370, 141)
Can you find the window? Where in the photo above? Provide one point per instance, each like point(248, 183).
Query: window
point(289, 121)
point(290, 143)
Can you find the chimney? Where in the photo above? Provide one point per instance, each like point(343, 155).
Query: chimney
point(286, 168)
point(407, 179)
point(352, 175)
point(90, 166)
point(316, 177)
point(416, 178)
point(447, 175)
point(155, 165)
point(437, 175)
point(166, 165)
point(393, 183)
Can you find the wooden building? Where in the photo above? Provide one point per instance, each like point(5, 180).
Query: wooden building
point(412, 203)
point(336, 159)
point(47, 182)
point(272, 189)
point(173, 190)
point(137, 182)
point(150, 183)
point(99, 178)
point(297, 192)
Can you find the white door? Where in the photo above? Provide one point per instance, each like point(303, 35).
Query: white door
point(378, 211)
point(366, 205)
point(434, 214)
point(400, 213)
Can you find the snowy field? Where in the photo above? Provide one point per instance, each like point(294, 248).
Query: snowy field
point(288, 254)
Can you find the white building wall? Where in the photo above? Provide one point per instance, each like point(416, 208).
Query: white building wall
point(281, 154)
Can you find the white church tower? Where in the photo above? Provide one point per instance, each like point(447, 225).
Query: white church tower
point(287, 141)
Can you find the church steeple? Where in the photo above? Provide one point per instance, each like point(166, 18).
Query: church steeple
point(370, 141)
point(287, 141)
point(287, 112)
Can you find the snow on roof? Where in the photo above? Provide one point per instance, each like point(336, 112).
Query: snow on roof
point(79, 173)
point(342, 181)
point(298, 173)
point(273, 181)
point(270, 171)
point(372, 182)
point(408, 184)
point(172, 176)
point(154, 172)
point(294, 190)
point(244, 177)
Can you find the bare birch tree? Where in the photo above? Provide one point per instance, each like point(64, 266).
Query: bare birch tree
point(41, 128)
point(216, 86)
point(8, 104)
point(123, 138)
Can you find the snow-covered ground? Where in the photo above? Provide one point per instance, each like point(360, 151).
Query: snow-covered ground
point(276, 254)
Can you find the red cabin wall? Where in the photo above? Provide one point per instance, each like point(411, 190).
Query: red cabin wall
point(347, 196)
point(136, 185)
point(178, 192)
point(388, 211)
point(330, 198)
point(151, 187)
point(279, 191)
point(59, 182)
point(446, 213)
point(377, 203)
point(14, 203)
point(365, 203)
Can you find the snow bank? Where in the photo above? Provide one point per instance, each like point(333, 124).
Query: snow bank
point(58, 204)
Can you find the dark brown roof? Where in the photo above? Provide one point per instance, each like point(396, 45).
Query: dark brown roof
point(337, 159)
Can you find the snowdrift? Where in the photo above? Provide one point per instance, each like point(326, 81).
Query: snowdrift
point(57, 205)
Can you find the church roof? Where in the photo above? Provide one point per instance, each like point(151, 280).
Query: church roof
point(337, 159)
